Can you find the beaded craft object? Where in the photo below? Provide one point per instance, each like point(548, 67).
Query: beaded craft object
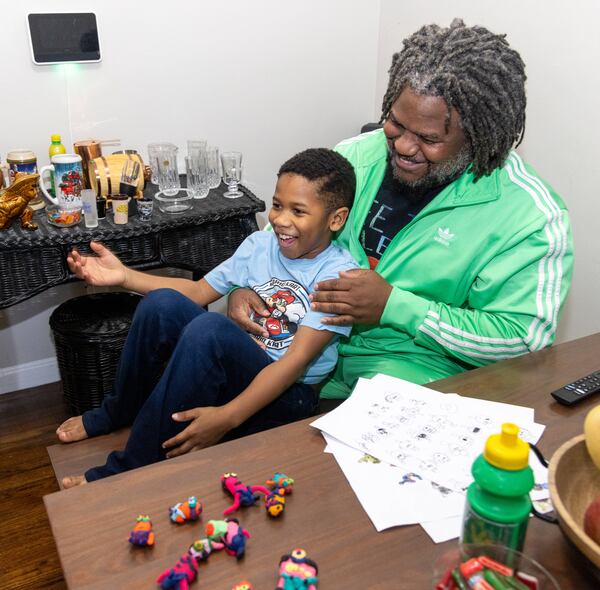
point(142, 534)
point(216, 530)
point(202, 548)
point(180, 576)
point(184, 511)
point(244, 585)
point(297, 572)
point(242, 495)
point(274, 504)
point(281, 483)
point(235, 538)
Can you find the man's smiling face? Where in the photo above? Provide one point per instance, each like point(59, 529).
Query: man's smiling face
point(427, 148)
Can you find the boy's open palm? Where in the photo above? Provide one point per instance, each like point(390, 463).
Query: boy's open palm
point(207, 427)
point(104, 269)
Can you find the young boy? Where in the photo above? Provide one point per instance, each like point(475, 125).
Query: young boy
point(182, 364)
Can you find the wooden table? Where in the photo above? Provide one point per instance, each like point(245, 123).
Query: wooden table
point(91, 523)
point(195, 240)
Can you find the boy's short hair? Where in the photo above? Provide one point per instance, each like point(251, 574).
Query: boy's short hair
point(336, 175)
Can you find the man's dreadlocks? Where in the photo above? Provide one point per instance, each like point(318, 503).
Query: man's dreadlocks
point(474, 71)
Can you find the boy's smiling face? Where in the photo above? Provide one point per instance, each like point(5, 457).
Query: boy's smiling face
point(300, 221)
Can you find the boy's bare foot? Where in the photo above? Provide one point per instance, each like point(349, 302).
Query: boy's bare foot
point(73, 480)
point(71, 430)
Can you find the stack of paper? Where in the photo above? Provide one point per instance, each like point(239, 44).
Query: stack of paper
point(407, 450)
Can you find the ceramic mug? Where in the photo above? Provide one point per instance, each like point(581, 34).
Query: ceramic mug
point(20, 161)
point(68, 181)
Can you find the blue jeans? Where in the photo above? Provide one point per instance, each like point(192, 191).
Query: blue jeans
point(178, 356)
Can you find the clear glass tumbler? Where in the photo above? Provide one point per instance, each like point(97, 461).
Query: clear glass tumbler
point(167, 174)
point(232, 173)
point(197, 175)
point(153, 150)
point(196, 147)
point(213, 166)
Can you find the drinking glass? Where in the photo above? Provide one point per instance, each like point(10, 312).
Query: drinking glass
point(232, 173)
point(145, 205)
point(129, 178)
point(196, 147)
point(197, 177)
point(213, 168)
point(166, 170)
point(153, 151)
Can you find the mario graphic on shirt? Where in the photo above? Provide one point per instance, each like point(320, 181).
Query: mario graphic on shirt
point(287, 304)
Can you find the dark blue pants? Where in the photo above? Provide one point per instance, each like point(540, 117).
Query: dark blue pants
point(178, 356)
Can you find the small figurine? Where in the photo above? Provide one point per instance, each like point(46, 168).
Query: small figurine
point(274, 504)
point(180, 576)
point(242, 495)
point(14, 201)
point(216, 530)
point(297, 572)
point(281, 483)
point(184, 511)
point(202, 548)
point(142, 533)
point(243, 585)
point(235, 538)
point(230, 534)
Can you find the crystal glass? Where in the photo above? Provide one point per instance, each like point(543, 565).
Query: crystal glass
point(153, 150)
point(166, 170)
point(196, 147)
point(232, 173)
point(213, 166)
point(197, 175)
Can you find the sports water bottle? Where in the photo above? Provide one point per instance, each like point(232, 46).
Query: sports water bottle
point(498, 504)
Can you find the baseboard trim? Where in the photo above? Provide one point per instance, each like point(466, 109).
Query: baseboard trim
point(28, 375)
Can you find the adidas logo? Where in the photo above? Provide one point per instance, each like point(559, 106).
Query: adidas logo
point(444, 236)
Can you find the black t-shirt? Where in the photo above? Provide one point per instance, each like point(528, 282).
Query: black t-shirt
point(392, 209)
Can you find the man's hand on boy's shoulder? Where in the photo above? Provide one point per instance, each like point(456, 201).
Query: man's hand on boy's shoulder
point(358, 296)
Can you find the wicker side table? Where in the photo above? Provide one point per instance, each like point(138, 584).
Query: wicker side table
point(89, 333)
point(196, 240)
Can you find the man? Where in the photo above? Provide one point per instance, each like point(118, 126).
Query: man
point(466, 252)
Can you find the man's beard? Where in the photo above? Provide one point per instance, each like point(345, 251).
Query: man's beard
point(438, 174)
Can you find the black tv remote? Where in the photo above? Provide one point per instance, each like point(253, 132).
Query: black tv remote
point(578, 390)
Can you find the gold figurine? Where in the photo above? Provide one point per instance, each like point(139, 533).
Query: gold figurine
point(14, 201)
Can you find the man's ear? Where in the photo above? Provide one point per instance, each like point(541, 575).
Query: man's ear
point(337, 218)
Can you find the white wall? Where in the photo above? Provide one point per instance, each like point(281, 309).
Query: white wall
point(560, 46)
point(265, 77)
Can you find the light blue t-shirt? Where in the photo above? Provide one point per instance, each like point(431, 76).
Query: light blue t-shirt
point(285, 284)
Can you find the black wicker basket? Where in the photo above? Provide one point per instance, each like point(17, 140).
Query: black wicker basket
point(89, 333)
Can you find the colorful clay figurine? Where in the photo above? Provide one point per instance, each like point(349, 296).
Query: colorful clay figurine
point(297, 572)
point(242, 495)
point(244, 585)
point(274, 504)
point(235, 538)
point(142, 533)
point(281, 483)
point(184, 511)
point(202, 548)
point(216, 530)
point(180, 576)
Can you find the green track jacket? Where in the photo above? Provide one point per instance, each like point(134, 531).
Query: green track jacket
point(479, 275)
